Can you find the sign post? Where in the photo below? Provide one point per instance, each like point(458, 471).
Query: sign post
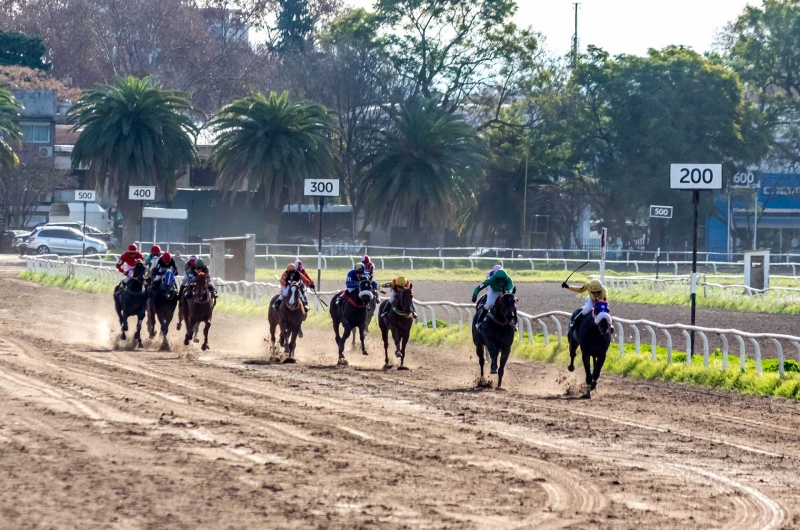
point(660, 212)
point(603, 244)
point(142, 194)
point(697, 178)
point(320, 188)
point(85, 196)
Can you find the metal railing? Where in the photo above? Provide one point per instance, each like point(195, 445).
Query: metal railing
point(681, 285)
point(259, 294)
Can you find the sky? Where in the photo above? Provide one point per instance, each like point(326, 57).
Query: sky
point(625, 26)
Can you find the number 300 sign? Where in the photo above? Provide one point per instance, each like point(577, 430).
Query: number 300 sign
point(695, 176)
point(321, 188)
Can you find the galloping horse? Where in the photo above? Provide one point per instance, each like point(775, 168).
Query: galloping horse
point(593, 336)
point(161, 304)
point(196, 309)
point(496, 335)
point(398, 319)
point(351, 313)
point(130, 299)
point(290, 317)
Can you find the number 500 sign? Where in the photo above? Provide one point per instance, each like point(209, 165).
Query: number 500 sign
point(695, 176)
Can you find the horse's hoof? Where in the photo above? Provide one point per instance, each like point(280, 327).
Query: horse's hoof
point(179, 326)
point(164, 347)
point(593, 385)
point(398, 354)
point(342, 362)
point(404, 368)
point(387, 366)
point(204, 347)
point(186, 342)
point(140, 345)
point(493, 371)
point(123, 336)
point(571, 368)
point(290, 360)
point(196, 340)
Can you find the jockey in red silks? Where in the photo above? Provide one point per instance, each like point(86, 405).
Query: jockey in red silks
point(369, 267)
point(127, 261)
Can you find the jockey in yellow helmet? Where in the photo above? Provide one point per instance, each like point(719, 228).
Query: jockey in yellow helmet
point(597, 291)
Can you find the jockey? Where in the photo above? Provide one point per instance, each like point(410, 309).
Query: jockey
point(127, 261)
point(597, 291)
point(497, 283)
point(198, 265)
point(494, 269)
point(151, 259)
point(187, 269)
point(355, 276)
point(163, 264)
point(368, 266)
point(397, 286)
point(293, 273)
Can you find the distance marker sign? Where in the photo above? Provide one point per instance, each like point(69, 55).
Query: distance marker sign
point(695, 177)
point(321, 188)
point(141, 193)
point(660, 212)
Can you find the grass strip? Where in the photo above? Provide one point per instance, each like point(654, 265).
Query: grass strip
point(745, 304)
point(630, 365)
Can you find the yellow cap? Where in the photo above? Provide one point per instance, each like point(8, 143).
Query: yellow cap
point(595, 286)
point(401, 281)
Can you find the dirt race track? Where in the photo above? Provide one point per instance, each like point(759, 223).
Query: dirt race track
point(93, 436)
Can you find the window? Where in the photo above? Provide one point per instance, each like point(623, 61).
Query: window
point(35, 133)
point(46, 233)
point(68, 234)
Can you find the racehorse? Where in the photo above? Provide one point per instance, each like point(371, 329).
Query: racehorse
point(130, 299)
point(398, 319)
point(161, 304)
point(594, 337)
point(197, 308)
point(370, 314)
point(351, 312)
point(290, 317)
point(496, 334)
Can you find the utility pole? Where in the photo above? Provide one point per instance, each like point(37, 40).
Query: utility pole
point(575, 37)
point(524, 241)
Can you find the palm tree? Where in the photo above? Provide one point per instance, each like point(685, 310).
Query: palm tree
point(9, 112)
point(133, 133)
point(268, 145)
point(423, 166)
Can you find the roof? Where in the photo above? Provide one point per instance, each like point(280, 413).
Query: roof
point(314, 208)
point(64, 136)
point(165, 213)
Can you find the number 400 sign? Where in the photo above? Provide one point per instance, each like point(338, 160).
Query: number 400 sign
point(695, 177)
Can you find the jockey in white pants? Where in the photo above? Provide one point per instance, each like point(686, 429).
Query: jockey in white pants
point(597, 291)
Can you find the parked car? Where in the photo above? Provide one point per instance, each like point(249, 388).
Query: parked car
point(91, 231)
point(62, 240)
point(20, 241)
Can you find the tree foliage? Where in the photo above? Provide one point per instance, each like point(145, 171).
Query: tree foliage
point(18, 49)
point(9, 131)
point(22, 188)
point(421, 165)
point(133, 133)
point(294, 26)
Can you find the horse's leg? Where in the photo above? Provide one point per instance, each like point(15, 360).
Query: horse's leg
point(500, 371)
point(599, 361)
point(151, 318)
point(138, 336)
point(205, 345)
point(272, 327)
point(588, 369)
point(361, 334)
point(404, 337)
point(480, 352)
point(181, 313)
point(385, 337)
point(573, 351)
point(189, 330)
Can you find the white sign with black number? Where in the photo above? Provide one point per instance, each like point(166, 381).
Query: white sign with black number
point(746, 179)
point(660, 212)
point(695, 177)
point(141, 193)
point(321, 188)
point(85, 195)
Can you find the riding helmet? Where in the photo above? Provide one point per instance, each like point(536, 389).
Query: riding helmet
point(365, 260)
point(199, 263)
point(360, 266)
point(401, 281)
point(291, 267)
point(155, 249)
point(298, 264)
point(192, 260)
point(595, 286)
point(132, 247)
point(166, 257)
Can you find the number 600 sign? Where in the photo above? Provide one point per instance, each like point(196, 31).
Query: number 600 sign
point(695, 176)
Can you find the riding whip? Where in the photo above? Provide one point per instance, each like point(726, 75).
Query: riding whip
point(576, 270)
point(321, 301)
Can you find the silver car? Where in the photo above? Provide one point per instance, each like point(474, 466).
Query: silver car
point(62, 240)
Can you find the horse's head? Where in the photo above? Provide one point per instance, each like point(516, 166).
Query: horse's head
point(405, 300)
point(168, 282)
point(200, 286)
point(602, 317)
point(136, 283)
point(365, 290)
point(294, 299)
point(508, 306)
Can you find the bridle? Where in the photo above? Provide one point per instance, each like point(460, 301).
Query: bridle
point(508, 319)
point(408, 313)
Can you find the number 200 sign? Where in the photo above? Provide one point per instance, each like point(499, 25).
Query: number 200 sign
point(321, 187)
point(695, 177)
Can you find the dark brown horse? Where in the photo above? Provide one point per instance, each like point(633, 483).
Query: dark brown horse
point(351, 313)
point(290, 318)
point(496, 335)
point(196, 306)
point(130, 299)
point(161, 305)
point(398, 319)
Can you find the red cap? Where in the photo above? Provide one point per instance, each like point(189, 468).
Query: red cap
point(154, 249)
point(132, 247)
point(166, 257)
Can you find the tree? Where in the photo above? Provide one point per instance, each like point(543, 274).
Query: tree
point(422, 165)
point(22, 78)
point(294, 25)
point(133, 133)
point(641, 113)
point(18, 49)
point(455, 50)
point(763, 47)
point(9, 131)
point(268, 145)
point(22, 189)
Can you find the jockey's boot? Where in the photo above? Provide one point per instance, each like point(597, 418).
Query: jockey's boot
point(212, 290)
point(481, 318)
point(277, 303)
point(575, 324)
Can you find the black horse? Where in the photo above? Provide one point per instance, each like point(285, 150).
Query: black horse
point(398, 319)
point(130, 299)
point(351, 312)
point(495, 334)
point(161, 305)
point(290, 318)
point(593, 335)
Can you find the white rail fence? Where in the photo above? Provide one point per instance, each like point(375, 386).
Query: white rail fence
point(681, 286)
point(259, 294)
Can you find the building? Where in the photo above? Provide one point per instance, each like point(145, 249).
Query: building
point(37, 120)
